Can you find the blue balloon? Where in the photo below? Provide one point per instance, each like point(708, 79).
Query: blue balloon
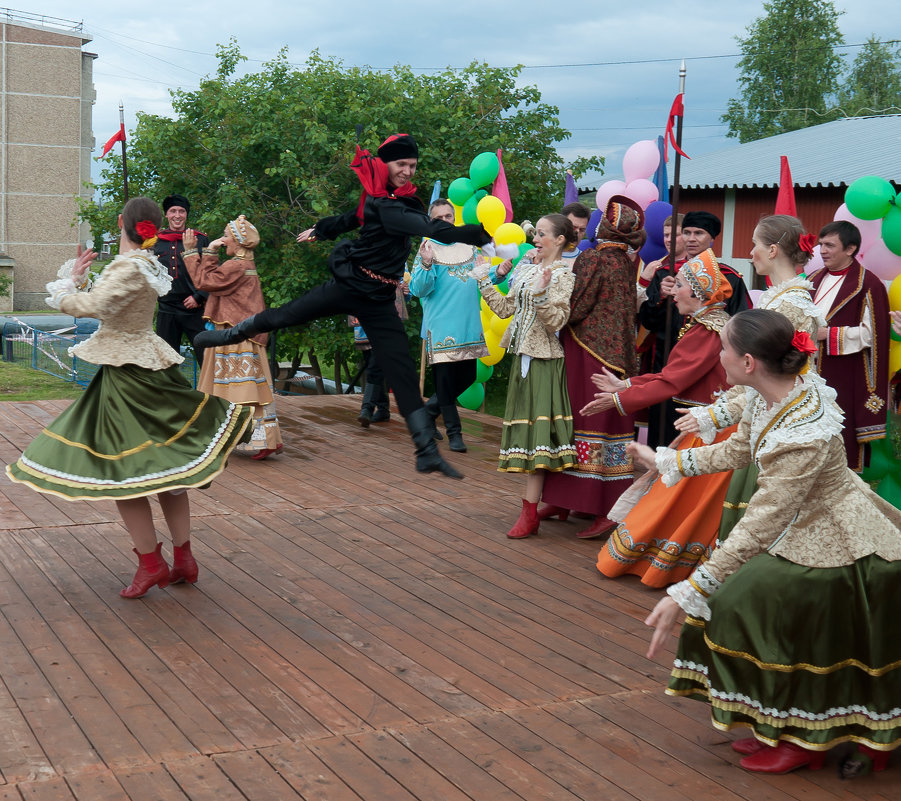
point(654, 216)
point(584, 245)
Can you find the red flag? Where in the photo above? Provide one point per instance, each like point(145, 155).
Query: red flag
point(785, 200)
point(669, 137)
point(501, 191)
point(118, 136)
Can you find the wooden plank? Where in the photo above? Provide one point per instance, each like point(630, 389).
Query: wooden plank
point(151, 783)
point(101, 786)
point(310, 777)
point(367, 779)
point(201, 779)
point(254, 777)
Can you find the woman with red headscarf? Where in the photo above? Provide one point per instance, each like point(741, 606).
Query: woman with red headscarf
point(366, 272)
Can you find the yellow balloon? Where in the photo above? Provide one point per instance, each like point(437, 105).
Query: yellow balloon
point(484, 307)
point(458, 214)
point(894, 358)
point(894, 294)
point(497, 259)
point(495, 351)
point(491, 213)
point(509, 234)
point(499, 324)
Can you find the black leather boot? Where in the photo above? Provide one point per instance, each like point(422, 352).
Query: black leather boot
point(368, 406)
point(227, 336)
point(454, 428)
point(428, 459)
point(434, 410)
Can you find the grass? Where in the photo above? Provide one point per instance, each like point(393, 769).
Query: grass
point(20, 383)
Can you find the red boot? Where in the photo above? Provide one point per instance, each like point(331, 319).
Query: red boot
point(184, 568)
point(152, 571)
point(553, 511)
point(527, 523)
point(749, 745)
point(598, 528)
point(784, 758)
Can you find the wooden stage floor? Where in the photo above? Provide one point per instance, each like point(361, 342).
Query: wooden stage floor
point(358, 632)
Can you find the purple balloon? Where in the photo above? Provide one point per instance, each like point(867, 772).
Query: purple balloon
point(654, 216)
point(584, 245)
point(651, 251)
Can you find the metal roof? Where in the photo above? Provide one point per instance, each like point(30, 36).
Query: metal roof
point(832, 154)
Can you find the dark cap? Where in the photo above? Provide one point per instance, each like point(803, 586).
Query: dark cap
point(176, 200)
point(398, 146)
point(703, 219)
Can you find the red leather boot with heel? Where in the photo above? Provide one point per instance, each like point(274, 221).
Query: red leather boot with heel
point(152, 572)
point(184, 568)
point(527, 523)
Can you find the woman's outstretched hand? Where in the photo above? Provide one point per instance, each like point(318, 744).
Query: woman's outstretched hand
point(306, 236)
point(687, 423)
point(642, 454)
point(83, 260)
point(661, 619)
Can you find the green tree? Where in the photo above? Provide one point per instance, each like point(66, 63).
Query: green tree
point(275, 145)
point(873, 86)
point(789, 69)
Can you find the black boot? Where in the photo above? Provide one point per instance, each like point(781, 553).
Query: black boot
point(454, 428)
point(382, 413)
point(434, 410)
point(428, 460)
point(368, 406)
point(227, 336)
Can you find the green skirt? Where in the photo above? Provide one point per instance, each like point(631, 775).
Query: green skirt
point(133, 432)
point(538, 420)
point(803, 654)
point(742, 486)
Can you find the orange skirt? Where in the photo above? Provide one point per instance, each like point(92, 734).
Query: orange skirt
point(671, 530)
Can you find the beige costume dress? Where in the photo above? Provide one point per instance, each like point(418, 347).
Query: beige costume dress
point(239, 373)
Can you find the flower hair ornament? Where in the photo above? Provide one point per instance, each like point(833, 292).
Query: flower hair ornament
point(802, 342)
point(148, 233)
point(807, 242)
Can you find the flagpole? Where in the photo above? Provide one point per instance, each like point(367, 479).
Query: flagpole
point(124, 162)
point(674, 200)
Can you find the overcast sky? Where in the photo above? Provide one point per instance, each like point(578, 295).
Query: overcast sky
point(581, 55)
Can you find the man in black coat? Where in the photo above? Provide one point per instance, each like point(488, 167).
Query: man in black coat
point(366, 272)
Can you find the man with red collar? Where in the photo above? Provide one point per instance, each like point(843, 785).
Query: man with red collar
point(181, 309)
point(699, 229)
point(854, 346)
point(366, 272)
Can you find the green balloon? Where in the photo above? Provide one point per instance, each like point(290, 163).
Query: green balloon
point(472, 396)
point(483, 372)
point(484, 169)
point(891, 230)
point(470, 207)
point(524, 248)
point(870, 197)
point(504, 286)
point(460, 191)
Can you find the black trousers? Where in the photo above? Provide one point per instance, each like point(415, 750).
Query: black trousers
point(379, 319)
point(451, 378)
point(376, 377)
point(170, 327)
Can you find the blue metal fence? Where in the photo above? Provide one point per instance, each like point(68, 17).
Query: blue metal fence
point(48, 351)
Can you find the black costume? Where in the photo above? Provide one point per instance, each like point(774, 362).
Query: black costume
point(172, 318)
point(366, 272)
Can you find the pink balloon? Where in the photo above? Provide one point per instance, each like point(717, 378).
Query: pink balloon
point(754, 294)
point(882, 262)
point(815, 263)
point(870, 230)
point(642, 191)
point(607, 191)
point(641, 160)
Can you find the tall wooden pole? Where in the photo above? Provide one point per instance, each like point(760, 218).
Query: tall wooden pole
point(674, 198)
point(124, 160)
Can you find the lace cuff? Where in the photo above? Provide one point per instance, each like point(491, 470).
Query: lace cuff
point(59, 289)
point(689, 599)
point(719, 413)
point(706, 426)
point(87, 280)
point(668, 466)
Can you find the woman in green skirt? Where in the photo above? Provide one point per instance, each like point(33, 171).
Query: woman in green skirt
point(140, 428)
point(538, 424)
point(792, 627)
